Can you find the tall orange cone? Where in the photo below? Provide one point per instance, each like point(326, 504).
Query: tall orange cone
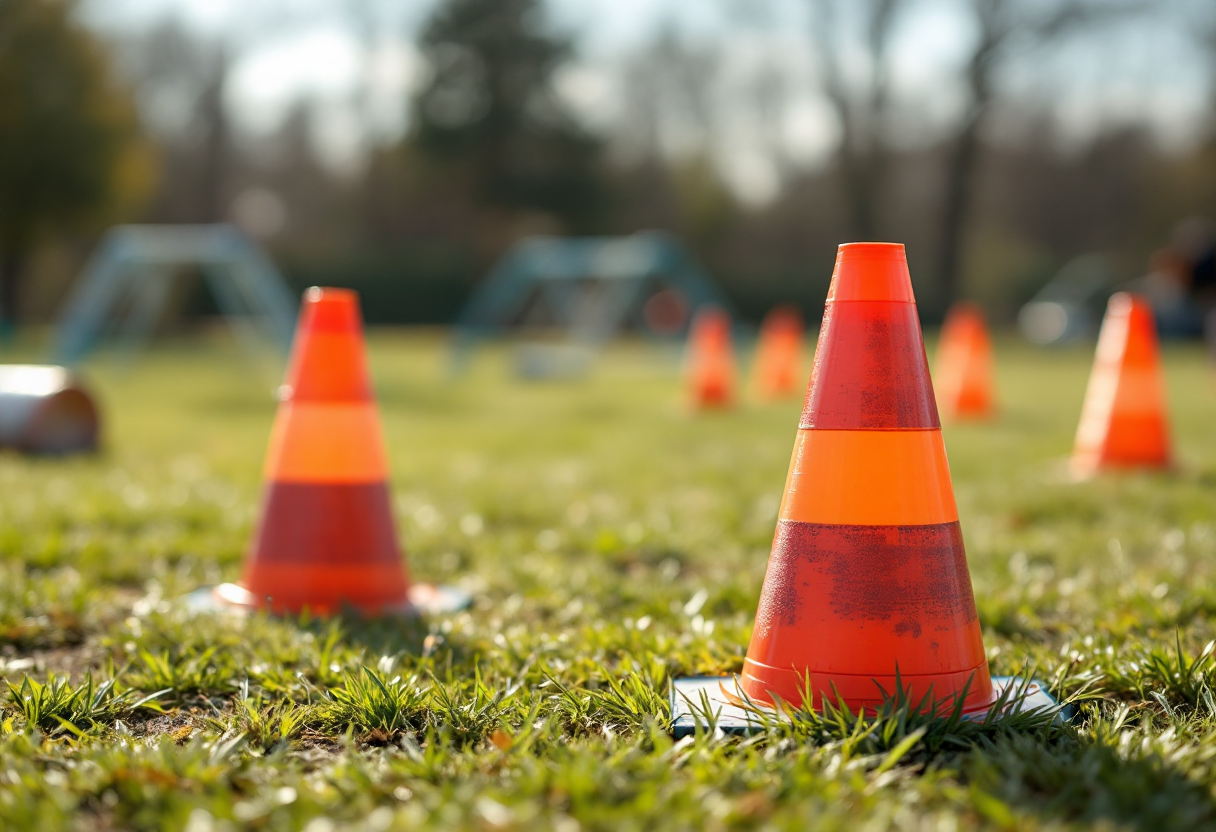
point(778, 373)
point(1124, 422)
point(711, 360)
point(326, 540)
point(867, 588)
point(867, 576)
point(963, 371)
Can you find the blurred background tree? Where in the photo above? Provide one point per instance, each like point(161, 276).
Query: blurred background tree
point(861, 109)
point(69, 143)
point(402, 148)
point(1003, 26)
point(490, 119)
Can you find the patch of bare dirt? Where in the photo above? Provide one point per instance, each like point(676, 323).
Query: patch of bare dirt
point(179, 724)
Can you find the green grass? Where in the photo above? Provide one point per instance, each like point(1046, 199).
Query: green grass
point(612, 541)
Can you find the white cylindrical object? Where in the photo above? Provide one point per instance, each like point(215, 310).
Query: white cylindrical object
point(44, 411)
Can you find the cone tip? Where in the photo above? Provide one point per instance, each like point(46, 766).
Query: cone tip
point(319, 294)
point(330, 309)
point(871, 271)
point(1134, 308)
point(783, 316)
point(966, 307)
point(711, 318)
point(1124, 302)
point(871, 251)
point(965, 314)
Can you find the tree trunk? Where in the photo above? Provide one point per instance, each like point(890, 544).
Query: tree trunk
point(861, 180)
point(956, 202)
point(996, 27)
point(12, 262)
point(964, 155)
point(214, 162)
point(862, 154)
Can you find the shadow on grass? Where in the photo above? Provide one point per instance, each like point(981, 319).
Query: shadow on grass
point(376, 636)
point(1135, 784)
point(413, 644)
point(1018, 765)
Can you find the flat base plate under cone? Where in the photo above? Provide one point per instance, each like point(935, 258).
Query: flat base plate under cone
point(425, 599)
point(691, 697)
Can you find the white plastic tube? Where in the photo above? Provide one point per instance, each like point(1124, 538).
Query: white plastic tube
point(44, 411)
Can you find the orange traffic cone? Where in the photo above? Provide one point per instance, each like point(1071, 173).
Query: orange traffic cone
point(778, 373)
point(1124, 422)
point(327, 540)
point(867, 589)
point(711, 360)
point(964, 365)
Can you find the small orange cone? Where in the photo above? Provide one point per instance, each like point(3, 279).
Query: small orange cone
point(327, 540)
point(867, 589)
point(778, 373)
point(711, 360)
point(963, 370)
point(1124, 422)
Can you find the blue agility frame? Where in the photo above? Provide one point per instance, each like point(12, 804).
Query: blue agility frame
point(560, 270)
point(135, 264)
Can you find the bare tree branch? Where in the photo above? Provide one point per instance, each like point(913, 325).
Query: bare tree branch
point(862, 114)
point(1001, 23)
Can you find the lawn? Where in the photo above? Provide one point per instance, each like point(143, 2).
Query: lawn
point(612, 541)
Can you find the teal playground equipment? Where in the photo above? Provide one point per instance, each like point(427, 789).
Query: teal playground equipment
point(565, 297)
point(128, 281)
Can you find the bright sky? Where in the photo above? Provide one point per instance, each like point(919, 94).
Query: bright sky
point(311, 50)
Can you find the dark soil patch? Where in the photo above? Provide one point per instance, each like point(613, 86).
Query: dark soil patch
point(180, 725)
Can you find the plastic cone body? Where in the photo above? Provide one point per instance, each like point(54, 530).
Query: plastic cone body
point(964, 365)
point(867, 575)
point(326, 539)
point(779, 355)
point(1124, 422)
point(711, 360)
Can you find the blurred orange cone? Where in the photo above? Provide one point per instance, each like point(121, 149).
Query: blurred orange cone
point(711, 360)
point(867, 594)
point(1124, 422)
point(964, 365)
point(778, 373)
point(326, 540)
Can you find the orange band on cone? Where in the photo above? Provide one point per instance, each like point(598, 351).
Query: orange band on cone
point(869, 478)
point(327, 443)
